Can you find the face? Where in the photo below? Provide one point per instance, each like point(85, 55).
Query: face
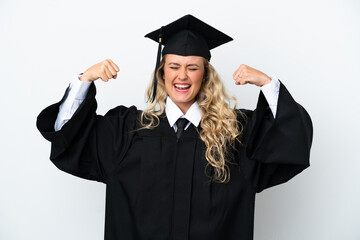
point(183, 78)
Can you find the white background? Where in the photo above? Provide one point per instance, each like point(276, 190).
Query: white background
point(312, 46)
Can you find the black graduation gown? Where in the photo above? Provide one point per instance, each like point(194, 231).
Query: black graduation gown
point(158, 188)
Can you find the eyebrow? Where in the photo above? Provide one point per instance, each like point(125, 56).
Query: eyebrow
point(189, 65)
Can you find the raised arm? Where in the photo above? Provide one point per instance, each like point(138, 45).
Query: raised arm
point(88, 145)
point(78, 89)
point(270, 86)
point(275, 149)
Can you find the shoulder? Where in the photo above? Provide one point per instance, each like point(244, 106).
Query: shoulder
point(122, 117)
point(121, 111)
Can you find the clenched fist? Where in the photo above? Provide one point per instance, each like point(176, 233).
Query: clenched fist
point(105, 70)
point(245, 74)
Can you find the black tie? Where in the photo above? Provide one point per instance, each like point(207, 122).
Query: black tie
point(180, 123)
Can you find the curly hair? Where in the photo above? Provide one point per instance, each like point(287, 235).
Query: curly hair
point(219, 124)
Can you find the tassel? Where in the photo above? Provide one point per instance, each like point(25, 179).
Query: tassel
point(154, 88)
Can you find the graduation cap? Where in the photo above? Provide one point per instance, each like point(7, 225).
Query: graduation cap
point(187, 36)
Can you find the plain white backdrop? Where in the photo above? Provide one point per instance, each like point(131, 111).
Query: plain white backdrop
point(312, 46)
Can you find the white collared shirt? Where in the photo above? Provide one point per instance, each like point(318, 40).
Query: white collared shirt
point(77, 92)
point(173, 113)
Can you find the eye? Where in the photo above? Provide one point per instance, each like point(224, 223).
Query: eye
point(193, 69)
point(174, 68)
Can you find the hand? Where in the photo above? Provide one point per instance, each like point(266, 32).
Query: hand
point(105, 70)
point(245, 74)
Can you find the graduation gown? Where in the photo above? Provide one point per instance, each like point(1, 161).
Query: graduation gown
point(157, 187)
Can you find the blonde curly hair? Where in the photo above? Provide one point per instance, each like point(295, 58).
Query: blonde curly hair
point(219, 124)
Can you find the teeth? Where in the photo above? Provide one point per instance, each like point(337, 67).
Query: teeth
point(181, 86)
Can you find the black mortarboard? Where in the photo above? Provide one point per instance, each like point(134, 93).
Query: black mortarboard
point(187, 36)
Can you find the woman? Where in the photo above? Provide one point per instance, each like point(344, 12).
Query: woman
point(170, 178)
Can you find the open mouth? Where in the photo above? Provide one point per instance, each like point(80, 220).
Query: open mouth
point(182, 87)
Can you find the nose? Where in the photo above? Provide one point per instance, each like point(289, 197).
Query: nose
point(182, 74)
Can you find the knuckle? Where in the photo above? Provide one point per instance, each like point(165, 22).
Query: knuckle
point(108, 61)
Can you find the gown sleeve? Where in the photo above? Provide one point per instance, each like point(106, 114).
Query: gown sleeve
point(275, 150)
point(89, 146)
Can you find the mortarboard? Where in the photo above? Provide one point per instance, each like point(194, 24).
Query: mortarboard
point(187, 36)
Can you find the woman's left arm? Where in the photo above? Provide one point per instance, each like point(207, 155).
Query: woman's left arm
point(270, 86)
point(275, 149)
point(245, 74)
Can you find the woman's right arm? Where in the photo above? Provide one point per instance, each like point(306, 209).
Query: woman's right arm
point(87, 144)
point(78, 89)
point(74, 96)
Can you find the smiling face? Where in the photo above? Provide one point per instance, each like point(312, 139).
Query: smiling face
point(183, 77)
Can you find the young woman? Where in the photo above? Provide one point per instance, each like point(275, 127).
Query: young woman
point(188, 166)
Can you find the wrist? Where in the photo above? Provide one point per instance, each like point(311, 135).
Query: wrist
point(265, 81)
point(83, 78)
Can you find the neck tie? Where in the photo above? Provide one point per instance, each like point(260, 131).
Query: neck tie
point(180, 123)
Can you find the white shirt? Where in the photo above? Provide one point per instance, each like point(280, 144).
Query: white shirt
point(173, 113)
point(77, 92)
